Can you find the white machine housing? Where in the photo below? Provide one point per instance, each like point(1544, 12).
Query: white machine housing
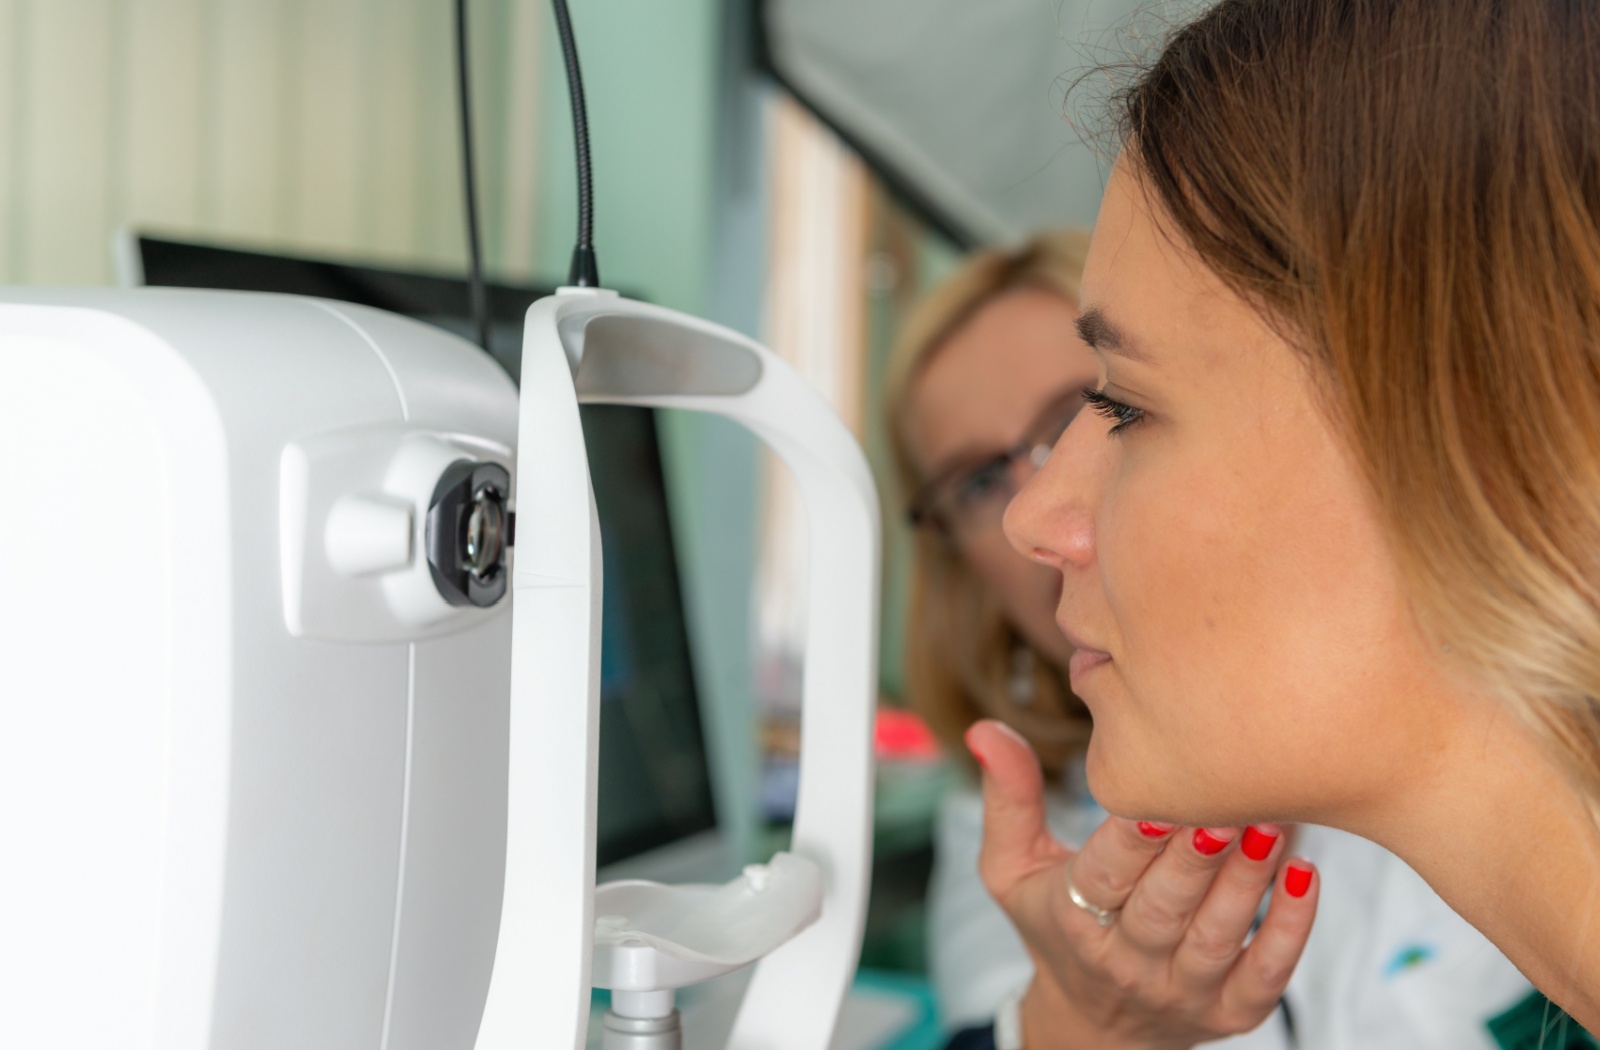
point(263, 786)
point(611, 349)
point(249, 799)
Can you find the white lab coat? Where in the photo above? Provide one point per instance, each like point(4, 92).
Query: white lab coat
point(1388, 965)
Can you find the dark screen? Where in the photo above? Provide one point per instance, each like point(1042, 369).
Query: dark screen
point(653, 784)
point(654, 780)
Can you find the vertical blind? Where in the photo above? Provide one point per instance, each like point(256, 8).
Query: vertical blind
point(816, 320)
point(315, 126)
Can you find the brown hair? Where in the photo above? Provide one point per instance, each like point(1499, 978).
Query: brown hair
point(1409, 191)
point(961, 653)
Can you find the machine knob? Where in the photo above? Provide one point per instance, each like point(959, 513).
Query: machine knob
point(367, 535)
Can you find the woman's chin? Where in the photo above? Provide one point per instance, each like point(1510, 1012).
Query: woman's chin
point(1144, 788)
point(1116, 785)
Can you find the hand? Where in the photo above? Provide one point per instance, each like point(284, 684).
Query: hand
point(1173, 968)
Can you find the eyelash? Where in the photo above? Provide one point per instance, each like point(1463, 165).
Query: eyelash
point(1124, 416)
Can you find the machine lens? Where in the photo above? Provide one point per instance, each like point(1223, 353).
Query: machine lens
point(486, 532)
point(469, 532)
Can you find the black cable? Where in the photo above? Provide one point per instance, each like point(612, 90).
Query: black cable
point(585, 271)
point(480, 294)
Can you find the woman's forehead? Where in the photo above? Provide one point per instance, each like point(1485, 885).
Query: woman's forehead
point(1147, 297)
point(986, 380)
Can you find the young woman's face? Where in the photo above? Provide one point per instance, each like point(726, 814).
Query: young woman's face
point(1241, 636)
point(1010, 377)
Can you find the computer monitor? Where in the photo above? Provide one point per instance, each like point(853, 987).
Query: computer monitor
point(655, 783)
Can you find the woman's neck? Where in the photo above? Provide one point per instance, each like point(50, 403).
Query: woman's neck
point(1498, 831)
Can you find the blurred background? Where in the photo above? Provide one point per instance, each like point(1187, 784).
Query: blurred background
point(798, 170)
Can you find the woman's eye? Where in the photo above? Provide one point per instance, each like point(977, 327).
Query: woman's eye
point(1123, 416)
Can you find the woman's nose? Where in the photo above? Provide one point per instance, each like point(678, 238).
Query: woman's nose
point(1050, 520)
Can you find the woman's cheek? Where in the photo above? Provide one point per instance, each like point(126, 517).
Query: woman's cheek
point(1171, 559)
point(1155, 547)
point(1141, 565)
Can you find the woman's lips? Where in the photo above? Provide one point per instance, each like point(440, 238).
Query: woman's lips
point(1083, 661)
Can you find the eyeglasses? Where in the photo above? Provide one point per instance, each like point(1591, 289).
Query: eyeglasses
point(971, 498)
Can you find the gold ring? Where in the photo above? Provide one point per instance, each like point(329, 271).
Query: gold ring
point(1103, 916)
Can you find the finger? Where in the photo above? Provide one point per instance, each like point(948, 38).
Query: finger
point(1115, 857)
point(1257, 980)
point(1159, 909)
point(1016, 839)
point(1216, 935)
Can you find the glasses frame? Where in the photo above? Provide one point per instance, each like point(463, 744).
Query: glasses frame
point(1035, 445)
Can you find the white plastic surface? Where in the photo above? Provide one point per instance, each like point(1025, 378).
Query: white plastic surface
point(349, 573)
point(231, 828)
point(642, 1005)
point(629, 353)
point(649, 936)
point(113, 748)
point(221, 834)
point(539, 990)
point(368, 534)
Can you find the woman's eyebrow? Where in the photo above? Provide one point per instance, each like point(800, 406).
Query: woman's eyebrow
point(1097, 330)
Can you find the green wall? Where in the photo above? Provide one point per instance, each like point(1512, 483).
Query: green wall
point(649, 71)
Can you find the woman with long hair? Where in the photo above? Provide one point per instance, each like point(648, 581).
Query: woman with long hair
point(1331, 536)
point(987, 374)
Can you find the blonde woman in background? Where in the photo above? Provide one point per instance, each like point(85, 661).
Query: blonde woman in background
point(988, 373)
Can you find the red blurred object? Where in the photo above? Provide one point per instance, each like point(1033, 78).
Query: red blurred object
point(902, 736)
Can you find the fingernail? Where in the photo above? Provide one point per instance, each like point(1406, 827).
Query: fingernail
point(1152, 830)
point(1257, 843)
point(1297, 880)
point(1012, 733)
point(1209, 844)
point(976, 754)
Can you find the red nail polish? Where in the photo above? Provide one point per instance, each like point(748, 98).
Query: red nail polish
point(1208, 843)
point(1256, 843)
point(1297, 880)
point(1154, 831)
